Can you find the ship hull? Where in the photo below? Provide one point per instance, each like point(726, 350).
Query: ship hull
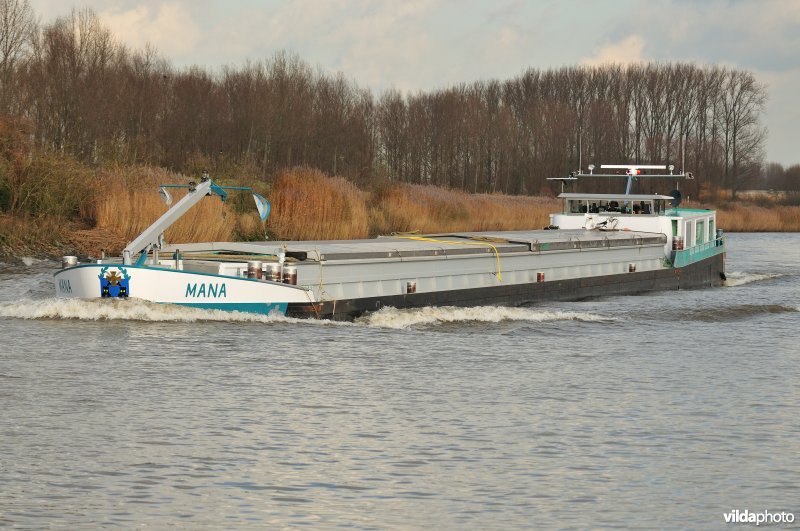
point(706, 273)
point(345, 279)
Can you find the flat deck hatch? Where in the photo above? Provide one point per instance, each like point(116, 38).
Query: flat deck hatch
point(431, 245)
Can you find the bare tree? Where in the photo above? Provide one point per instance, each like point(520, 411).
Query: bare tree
point(86, 95)
point(17, 25)
point(742, 101)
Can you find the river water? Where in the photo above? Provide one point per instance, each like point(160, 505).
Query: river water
point(662, 410)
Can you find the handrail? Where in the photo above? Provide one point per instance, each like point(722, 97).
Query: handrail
point(699, 252)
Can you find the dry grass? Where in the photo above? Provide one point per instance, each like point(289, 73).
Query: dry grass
point(249, 227)
point(308, 205)
point(131, 203)
point(33, 236)
point(128, 213)
point(90, 242)
point(406, 208)
point(744, 217)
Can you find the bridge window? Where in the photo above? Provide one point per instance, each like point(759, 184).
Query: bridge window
point(577, 206)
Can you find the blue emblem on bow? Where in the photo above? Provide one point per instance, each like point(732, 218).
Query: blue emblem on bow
point(114, 283)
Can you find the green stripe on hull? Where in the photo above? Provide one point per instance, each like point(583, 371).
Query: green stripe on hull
point(263, 308)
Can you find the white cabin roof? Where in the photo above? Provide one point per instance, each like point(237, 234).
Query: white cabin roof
point(614, 197)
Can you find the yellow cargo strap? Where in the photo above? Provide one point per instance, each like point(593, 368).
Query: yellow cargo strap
point(481, 243)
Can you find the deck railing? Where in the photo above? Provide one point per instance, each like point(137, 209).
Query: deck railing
point(699, 252)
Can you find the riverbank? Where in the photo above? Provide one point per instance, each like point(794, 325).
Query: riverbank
point(307, 205)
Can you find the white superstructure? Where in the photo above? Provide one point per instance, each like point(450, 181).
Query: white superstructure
point(684, 228)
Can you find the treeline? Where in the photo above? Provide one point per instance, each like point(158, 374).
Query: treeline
point(776, 177)
point(72, 88)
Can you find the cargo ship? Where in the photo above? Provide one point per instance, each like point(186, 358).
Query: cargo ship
point(598, 245)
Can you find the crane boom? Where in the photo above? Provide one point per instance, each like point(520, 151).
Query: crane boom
point(150, 237)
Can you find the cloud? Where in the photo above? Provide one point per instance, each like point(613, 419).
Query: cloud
point(756, 34)
point(377, 43)
point(381, 40)
point(626, 51)
point(168, 26)
point(782, 114)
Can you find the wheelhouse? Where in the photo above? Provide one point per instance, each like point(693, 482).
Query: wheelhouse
point(615, 204)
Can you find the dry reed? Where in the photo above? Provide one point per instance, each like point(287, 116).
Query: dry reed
point(131, 203)
point(29, 236)
point(128, 213)
point(407, 208)
point(308, 205)
point(745, 217)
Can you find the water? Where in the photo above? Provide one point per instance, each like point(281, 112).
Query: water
point(663, 410)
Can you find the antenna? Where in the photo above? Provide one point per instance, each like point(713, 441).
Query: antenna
point(683, 153)
point(632, 172)
point(683, 164)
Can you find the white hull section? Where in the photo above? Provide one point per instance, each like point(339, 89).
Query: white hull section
point(162, 285)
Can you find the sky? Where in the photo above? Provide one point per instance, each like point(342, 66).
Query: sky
point(420, 45)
